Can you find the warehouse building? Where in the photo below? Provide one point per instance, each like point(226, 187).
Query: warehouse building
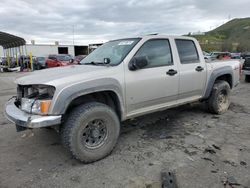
point(44, 50)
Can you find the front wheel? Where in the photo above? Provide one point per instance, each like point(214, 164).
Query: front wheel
point(91, 131)
point(218, 102)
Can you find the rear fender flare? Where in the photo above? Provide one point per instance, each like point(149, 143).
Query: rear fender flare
point(214, 75)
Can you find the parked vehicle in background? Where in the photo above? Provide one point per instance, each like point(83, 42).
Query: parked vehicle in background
point(24, 62)
point(39, 63)
point(207, 55)
point(246, 69)
point(79, 58)
point(245, 55)
point(235, 55)
point(9, 62)
point(120, 80)
point(2, 61)
point(58, 60)
point(220, 55)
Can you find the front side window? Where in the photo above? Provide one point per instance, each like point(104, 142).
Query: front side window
point(187, 51)
point(157, 52)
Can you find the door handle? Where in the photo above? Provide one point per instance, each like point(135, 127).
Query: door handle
point(199, 69)
point(171, 72)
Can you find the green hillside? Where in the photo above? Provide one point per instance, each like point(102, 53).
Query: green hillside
point(231, 36)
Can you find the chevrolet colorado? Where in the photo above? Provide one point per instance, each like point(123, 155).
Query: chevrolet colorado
point(120, 80)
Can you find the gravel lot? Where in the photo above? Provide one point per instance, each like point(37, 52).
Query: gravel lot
point(202, 149)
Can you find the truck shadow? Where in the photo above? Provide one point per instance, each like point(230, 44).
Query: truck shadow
point(168, 123)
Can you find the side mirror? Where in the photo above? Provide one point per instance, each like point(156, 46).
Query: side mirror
point(106, 60)
point(137, 63)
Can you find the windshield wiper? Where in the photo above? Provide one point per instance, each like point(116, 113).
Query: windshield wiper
point(94, 63)
point(105, 62)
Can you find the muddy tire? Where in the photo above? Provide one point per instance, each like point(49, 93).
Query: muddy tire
point(247, 78)
point(91, 131)
point(219, 100)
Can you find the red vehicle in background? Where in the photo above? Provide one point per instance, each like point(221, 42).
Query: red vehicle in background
point(58, 60)
point(79, 58)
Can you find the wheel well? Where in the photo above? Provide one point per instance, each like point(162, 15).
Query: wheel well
point(109, 98)
point(227, 78)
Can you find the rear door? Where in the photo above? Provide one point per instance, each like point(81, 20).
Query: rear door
point(192, 70)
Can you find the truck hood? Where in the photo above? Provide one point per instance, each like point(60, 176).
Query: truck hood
point(62, 75)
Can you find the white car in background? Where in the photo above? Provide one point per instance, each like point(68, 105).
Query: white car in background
point(207, 56)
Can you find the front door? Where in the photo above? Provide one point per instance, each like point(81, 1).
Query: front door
point(156, 85)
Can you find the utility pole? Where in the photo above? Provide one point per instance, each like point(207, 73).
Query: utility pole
point(73, 34)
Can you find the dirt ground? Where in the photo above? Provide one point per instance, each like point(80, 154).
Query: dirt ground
point(202, 149)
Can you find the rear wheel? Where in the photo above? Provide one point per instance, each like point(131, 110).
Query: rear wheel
point(247, 78)
point(218, 102)
point(91, 131)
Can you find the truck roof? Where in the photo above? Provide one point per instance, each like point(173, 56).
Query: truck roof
point(155, 36)
point(167, 36)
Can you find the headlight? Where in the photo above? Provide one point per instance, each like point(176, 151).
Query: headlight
point(35, 106)
point(36, 91)
point(35, 99)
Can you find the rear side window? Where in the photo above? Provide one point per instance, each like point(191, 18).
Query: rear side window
point(157, 51)
point(187, 51)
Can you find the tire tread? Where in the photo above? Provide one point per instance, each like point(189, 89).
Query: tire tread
point(69, 124)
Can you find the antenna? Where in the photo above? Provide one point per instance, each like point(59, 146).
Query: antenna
point(73, 34)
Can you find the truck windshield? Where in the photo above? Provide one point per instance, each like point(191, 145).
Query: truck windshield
point(115, 50)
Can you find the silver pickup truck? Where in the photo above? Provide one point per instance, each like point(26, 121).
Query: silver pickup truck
point(120, 80)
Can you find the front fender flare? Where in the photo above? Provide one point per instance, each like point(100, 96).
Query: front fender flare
point(63, 98)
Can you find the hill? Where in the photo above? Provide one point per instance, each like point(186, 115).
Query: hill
point(231, 36)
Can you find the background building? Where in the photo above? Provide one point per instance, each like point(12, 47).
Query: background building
point(46, 49)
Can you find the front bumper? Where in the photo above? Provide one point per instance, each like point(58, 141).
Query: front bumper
point(246, 72)
point(23, 119)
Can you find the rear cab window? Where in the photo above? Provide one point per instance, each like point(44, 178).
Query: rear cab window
point(187, 51)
